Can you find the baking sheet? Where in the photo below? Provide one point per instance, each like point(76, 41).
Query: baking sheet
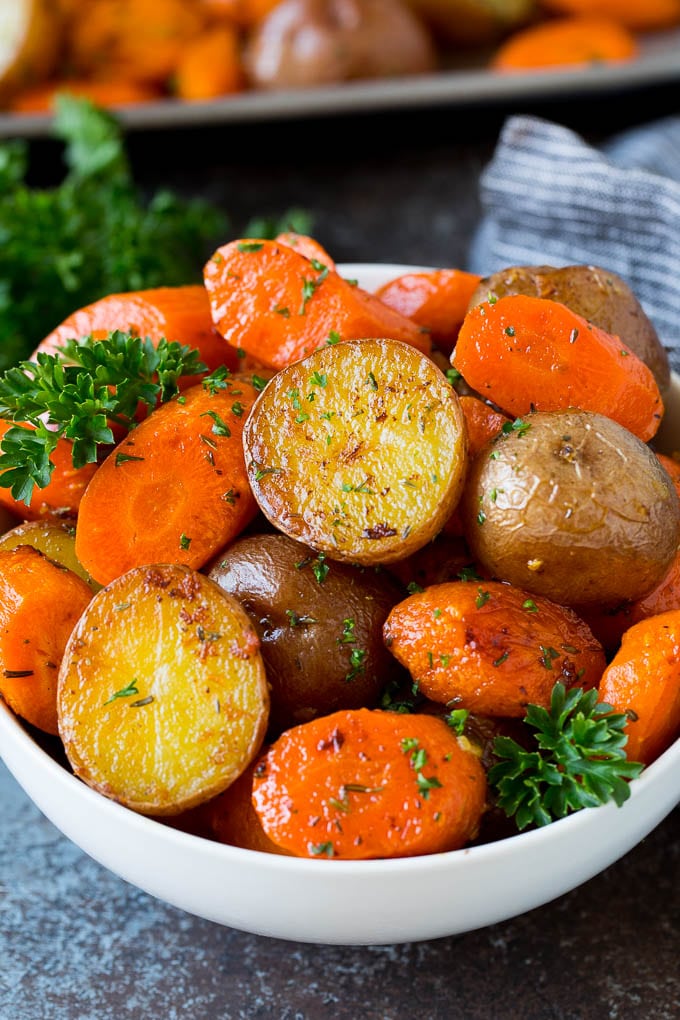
point(659, 63)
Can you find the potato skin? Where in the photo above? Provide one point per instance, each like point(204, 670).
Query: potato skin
point(302, 43)
point(572, 507)
point(597, 294)
point(319, 624)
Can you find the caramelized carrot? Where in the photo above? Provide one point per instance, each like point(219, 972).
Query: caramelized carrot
point(180, 314)
point(482, 422)
point(366, 783)
point(643, 680)
point(244, 13)
point(527, 353)
point(231, 817)
point(178, 484)
point(104, 92)
point(609, 626)
point(573, 42)
point(307, 246)
point(490, 647)
point(437, 300)
point(210, 65)
point(61, 496)
point(138, 40)
point(278, 306)
point(640, 17)
point(40, 603)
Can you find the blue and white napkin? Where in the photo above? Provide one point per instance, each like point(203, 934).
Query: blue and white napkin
point(550, 198)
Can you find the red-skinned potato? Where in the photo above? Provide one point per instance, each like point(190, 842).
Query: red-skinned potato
point(319, 623)
point(303, 43)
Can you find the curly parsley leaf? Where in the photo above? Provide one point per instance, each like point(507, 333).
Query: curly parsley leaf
point(580, 760)
point(76, 394)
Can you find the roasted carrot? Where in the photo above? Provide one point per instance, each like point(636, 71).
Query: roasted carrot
point(367, 784)
point(180, 314)
point(482, 421)
point(244, 13)
point(640, 17)
point(54, 539)
point(40, 603)
point(104, 92)
point(437, 300)
point(527, 353)
point(608, 626)
point(231, 817)
point(491, 648)
point(210, 65)
point(307, 246)
point(278, 306)
point(573, 41)
point(643, 680)
point(178, 484)
point(138, 40)
point(61, 497)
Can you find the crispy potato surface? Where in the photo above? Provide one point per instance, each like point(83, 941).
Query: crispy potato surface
point(572, 506)
point(162, 696)
point(358, 450)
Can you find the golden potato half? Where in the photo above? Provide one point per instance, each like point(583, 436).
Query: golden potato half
point(358, 450)
point(162, 696)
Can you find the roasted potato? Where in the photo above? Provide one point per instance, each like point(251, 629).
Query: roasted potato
point(319, 623)
point(162, 696)
point(572, 506)
point(358, 450)
point(303, 43)
point(55, 539)
point(469, 23)
point(597, 294)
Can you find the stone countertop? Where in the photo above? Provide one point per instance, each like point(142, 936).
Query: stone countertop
point(76, 942)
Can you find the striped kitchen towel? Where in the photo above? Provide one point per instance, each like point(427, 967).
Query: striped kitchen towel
point(550, 198)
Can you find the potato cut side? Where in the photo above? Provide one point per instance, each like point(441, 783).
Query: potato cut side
point(358, 450)
point(162, 698)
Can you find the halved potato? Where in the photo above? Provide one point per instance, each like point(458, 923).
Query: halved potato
point(358, 450)
point(162, 697)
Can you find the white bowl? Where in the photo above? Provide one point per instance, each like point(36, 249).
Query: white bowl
point(348, 902)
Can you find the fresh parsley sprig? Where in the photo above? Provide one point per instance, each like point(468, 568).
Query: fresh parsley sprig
point(77, 394)
point(580, 760)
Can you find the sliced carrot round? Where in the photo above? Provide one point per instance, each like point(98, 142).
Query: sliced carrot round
point(367, 783)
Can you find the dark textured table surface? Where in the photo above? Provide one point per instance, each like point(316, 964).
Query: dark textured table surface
point(76, 942)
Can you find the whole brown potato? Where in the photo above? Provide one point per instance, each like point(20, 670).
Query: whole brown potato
point(319, 623)
point(304, 43)
point(597, 294)
point(572, 506)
